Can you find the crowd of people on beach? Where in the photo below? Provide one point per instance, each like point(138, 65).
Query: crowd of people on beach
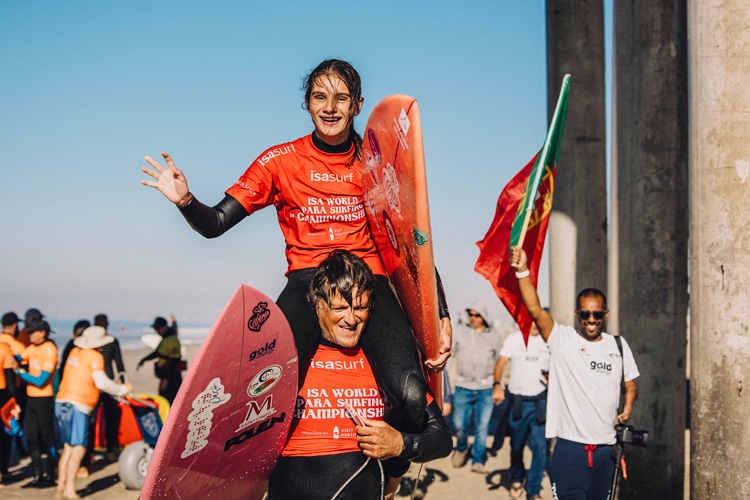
point(51, 401)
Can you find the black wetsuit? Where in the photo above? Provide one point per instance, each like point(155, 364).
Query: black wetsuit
point(391, 349)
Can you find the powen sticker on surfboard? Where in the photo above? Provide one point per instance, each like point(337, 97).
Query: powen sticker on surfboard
point(395, 189)
point(229, 422)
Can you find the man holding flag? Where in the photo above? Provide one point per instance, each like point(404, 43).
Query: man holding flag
point(586, 365)
point(586, 368)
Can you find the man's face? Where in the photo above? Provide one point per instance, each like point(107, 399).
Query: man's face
point(475, 319)
point(534, 331)
point(342, 323)
point(591, 328)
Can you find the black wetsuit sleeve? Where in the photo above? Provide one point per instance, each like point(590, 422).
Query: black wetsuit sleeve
point(442, 303)
point(10, 382)
point(213, 221)
point(433, 442)
point(151, 356)
point(117, 356)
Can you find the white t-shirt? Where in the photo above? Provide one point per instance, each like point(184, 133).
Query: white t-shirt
point(584, 385)
point(526, 364)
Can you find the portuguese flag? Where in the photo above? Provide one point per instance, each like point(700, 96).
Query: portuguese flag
point(521, 219)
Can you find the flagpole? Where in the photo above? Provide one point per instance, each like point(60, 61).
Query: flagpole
point(541, 157)
point(526, 220)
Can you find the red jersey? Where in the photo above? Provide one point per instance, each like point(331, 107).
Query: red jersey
point(318, 198)
point(325, 427)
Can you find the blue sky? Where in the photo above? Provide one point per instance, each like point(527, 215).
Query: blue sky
point(90, 88)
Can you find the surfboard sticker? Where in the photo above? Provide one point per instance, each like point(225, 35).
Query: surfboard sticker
point(200, 420)
point(264, 381)
point(395, 192)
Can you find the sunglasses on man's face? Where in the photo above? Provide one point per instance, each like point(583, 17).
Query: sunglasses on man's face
point(474, 315)
point(598, 315)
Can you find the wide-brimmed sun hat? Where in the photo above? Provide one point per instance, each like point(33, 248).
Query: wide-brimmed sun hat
point(93, 337)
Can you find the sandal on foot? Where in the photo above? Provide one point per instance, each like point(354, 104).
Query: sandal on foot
point(516, 491)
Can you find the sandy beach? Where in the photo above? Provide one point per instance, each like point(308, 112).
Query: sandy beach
point(439, 480)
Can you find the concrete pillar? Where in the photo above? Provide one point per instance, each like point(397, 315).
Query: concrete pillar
point(575, 45)
point(720, 247)
point(652, 201)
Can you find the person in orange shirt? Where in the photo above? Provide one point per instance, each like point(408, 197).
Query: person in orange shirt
point(37, 369)
point(10, 336)
point(326, 449)
point(7, 391)
point(83, 379)
point(10, 333)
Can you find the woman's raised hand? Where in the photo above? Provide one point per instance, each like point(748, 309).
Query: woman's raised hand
point(170, 181)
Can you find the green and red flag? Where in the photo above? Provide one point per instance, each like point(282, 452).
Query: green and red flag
point(521, 219)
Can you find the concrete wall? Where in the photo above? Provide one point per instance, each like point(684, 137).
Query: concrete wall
point(578, 223)
point(652, 206)
point(720, 247)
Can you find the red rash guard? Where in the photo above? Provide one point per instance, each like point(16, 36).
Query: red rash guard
point(318, 199)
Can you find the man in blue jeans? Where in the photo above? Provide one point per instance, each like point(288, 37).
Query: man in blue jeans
point(476, 348)
point(527, 397)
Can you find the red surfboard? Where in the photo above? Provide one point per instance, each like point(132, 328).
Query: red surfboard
point(230, 420)
point(395, 185)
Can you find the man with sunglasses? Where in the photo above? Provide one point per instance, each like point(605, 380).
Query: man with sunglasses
point(476, 348)
point(586, 369)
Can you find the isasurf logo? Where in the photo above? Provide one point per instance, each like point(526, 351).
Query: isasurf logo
point(260, 315)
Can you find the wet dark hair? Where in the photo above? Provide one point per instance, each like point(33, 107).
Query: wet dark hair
point(340, 272)
point(41, 326)
point(101, 320)
point(80, 326)
point(591, 293)
point(350, 77)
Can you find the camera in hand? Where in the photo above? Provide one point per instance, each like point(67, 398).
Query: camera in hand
point(630, 435)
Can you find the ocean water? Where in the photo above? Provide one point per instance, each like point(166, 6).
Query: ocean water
point(129, 332)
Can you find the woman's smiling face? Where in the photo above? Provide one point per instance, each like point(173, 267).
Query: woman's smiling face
point(332, 109)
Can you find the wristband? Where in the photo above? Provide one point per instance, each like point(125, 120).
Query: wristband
point(523, 274)
point(496, 383)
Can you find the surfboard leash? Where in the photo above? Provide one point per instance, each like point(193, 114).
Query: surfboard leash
point(416, 482)
point(382, 480)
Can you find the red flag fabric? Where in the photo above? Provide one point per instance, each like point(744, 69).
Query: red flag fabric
point(494, 248)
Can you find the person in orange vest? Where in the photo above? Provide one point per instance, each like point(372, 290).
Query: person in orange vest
point(83, 379)
point(7, 392)
point(9, 336)
point(37, 368)
point(10, 333)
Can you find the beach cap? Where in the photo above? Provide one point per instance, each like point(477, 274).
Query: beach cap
point(33, 316)
point(10, 318)
point(159, 322)
point(93, 337)
point(40, 325)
